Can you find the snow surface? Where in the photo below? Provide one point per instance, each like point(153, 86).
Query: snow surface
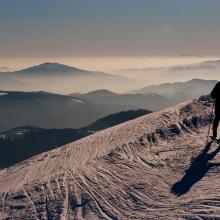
point(141, 169)
point(78, 101)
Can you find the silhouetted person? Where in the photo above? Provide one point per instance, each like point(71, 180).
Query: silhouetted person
point(215, 94)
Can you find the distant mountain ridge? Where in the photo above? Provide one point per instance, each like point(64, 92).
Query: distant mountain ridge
point(150, 101)
point(42, 140)
point(77, 110)
point(63, 79)
point(49, 110)
point(212, 64)
point(206, 70)
point(154, 97)
point(206, 65)
point(49, 67)
point(187, 90)
point(101, 92)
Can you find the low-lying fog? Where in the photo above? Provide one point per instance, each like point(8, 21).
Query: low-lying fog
point(119, 80)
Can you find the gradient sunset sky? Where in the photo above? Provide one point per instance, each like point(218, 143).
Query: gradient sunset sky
point(83, 29)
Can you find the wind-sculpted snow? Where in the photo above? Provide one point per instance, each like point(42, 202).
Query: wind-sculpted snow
point(141, 169)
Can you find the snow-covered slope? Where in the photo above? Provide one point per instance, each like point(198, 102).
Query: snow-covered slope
point(142, 169)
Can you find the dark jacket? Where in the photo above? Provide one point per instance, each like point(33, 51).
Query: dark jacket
point(215, 94)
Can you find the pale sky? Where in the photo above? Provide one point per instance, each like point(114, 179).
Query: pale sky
point(82, 29)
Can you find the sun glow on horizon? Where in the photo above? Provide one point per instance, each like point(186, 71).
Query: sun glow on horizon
point(106, 64)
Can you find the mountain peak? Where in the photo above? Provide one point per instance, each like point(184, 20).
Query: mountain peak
point(101, 92)
point(52, 67)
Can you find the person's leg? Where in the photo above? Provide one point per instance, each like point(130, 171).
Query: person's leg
point(215, 126)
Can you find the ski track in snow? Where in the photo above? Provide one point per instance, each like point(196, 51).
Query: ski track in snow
point(124, 172)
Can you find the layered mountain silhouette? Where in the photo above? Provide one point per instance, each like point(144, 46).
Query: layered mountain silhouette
point(151, 101)
point(207, 65)
point(77, 110)
point(130, 171)
point(155, 97)
point(48, 110)
point(210, 64)
point(59, 78)
point(180, 91)
point(23, 142)
point(204, 70)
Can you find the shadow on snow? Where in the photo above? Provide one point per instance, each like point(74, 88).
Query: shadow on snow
point(197, 170)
